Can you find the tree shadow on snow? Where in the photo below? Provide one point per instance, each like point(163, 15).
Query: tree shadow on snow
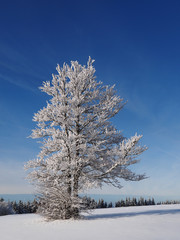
point(132, 214)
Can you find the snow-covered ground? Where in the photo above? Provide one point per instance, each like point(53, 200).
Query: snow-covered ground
point(146, 223)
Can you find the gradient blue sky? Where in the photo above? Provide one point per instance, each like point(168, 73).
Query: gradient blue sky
point(135, 45)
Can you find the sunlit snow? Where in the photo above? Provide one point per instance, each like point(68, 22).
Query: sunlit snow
point(146, 223)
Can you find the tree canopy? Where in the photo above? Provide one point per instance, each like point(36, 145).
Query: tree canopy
point(81, 149)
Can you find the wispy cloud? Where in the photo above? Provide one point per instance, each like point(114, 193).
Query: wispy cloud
point(18, 83)
point(14, 61)
point(11, 53)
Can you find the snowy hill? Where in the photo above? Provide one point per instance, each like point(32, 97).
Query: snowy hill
point(146, 223)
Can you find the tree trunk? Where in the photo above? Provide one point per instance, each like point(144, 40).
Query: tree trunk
point(75, 208)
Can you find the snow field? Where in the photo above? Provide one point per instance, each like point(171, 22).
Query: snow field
point(137, 223)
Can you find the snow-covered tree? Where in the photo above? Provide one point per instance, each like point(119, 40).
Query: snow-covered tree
point(80, 149)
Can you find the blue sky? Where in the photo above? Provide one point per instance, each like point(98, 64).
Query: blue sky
point(135, 45)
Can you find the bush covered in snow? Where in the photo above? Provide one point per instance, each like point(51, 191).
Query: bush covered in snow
point(5, 208)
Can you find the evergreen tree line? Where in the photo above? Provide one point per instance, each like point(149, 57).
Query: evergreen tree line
point(19, 207)
point(92, 204)
point(168, 202)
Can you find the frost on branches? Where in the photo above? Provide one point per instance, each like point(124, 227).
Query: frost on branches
point(80, 147)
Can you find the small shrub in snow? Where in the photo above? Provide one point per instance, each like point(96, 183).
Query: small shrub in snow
point(5, 209)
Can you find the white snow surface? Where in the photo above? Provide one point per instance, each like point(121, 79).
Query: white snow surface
point(146, 223)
